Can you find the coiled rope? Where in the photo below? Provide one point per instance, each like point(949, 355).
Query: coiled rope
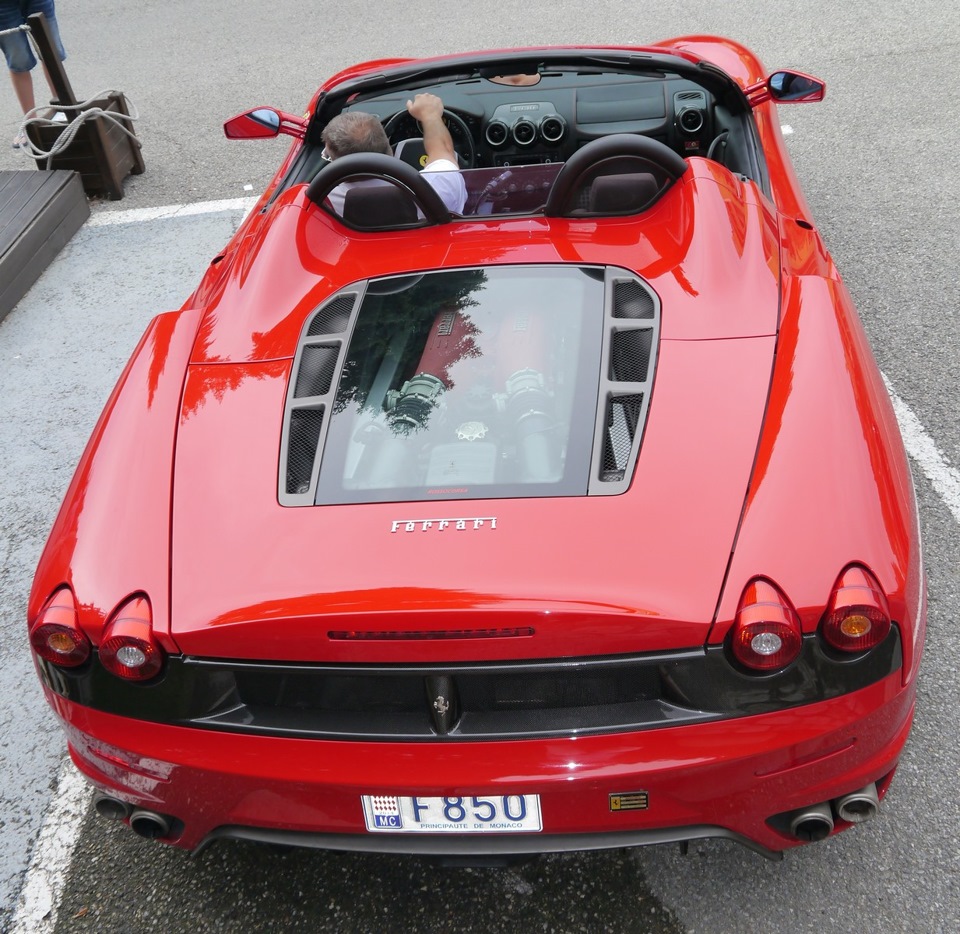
point(84, 112)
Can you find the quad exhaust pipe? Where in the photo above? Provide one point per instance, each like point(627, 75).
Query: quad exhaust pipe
point(812, 823)
point(816, 822)
point(150, 825)
point(111, 808)
point(147, 824)
point(858, 806)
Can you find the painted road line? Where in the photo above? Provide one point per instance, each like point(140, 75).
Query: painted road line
point(40, 896)
point(944, 479)
point(138, 215)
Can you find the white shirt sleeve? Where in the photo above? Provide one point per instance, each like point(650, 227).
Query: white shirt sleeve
point(445, 178)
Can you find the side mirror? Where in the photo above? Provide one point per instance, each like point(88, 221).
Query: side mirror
point(792, 87)
point(264, 122)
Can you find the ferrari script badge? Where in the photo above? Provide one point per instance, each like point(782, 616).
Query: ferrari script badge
point(439, 525)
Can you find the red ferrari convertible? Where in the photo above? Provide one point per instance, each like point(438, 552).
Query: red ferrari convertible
point(574, 517)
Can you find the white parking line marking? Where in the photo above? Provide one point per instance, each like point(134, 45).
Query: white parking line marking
point(38, 903)
point(138, 215)
point(927, 456)
point(52, 853)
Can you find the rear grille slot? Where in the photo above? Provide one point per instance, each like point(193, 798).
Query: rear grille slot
point(318, 363)
point(630, 355)
point(316, 369)
point(333, 318)
point(632, 300)
point(619, 433)
point(626, 383)
point(305, 426)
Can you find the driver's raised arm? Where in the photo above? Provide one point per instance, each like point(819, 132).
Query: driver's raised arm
point(428, 109)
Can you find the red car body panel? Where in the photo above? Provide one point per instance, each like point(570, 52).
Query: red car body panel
point(770, 450)
point(710, 235)
point(762, 765)
point(245, 571)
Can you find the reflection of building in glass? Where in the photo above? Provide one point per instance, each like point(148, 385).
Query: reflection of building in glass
point(466, 381)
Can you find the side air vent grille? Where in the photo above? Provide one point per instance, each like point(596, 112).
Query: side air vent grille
point(619, 433)
point(334, 317)
point(632, 300)
point(318, 363)
point(629, 361)
point(305, 426)
point(630, 355)
point(316, 371)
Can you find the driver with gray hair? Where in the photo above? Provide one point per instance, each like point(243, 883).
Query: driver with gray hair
point(356, 131)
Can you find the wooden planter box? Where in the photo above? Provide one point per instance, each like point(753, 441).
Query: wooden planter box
point(101, 153)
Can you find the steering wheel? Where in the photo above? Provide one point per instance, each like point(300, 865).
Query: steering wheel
point(394, 126)
point(377, 165)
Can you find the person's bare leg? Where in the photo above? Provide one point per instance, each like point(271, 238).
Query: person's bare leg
point(23, 88)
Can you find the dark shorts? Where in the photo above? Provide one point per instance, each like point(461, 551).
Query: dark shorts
point(16, 46)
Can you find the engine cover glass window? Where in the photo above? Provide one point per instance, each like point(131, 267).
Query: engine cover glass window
point(468, 384)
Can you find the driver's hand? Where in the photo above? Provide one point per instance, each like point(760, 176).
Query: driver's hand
point(425, 108)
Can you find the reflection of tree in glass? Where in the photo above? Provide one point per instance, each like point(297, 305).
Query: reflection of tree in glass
point(399, 325)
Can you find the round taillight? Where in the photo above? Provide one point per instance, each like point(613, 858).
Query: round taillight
point(766, 633)
point(56, 635)
point(857, 617)
point(128, 649)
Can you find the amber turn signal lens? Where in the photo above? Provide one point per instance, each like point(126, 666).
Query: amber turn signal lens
point(857, 616)
point(56, 636)
point(128, 649)
point(766, 632)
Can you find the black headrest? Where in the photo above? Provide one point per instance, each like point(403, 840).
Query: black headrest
point(378, 206)
point(622, 194)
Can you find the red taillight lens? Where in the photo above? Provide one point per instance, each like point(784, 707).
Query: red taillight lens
point(56, 636)
point(766, 632)
point(128, 649)
point(857, 616)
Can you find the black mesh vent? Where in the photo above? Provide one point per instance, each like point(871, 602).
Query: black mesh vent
point(631, 300)
point(305, 425)
point(620, 426)
point(318, 363)
point(630, 355)
point(333, 318)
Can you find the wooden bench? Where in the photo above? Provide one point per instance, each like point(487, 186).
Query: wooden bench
point(39, 213)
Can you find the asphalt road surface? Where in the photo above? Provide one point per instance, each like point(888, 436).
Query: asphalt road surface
point(878, 160)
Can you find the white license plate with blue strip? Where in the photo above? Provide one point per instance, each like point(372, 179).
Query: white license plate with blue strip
point(480, 814)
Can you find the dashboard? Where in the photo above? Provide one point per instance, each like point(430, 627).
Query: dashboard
point(495, 125)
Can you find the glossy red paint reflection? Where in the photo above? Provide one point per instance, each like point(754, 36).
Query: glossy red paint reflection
point(771, 513)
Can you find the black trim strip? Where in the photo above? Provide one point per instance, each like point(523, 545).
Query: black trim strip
point(481, 845)
point(482, 702)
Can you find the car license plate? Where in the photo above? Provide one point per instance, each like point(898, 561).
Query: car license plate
point(480, 814)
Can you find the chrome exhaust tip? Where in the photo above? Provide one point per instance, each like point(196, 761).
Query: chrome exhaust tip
point(149, 825)
point(812, 823)
point(111, 808)
point(858, 806)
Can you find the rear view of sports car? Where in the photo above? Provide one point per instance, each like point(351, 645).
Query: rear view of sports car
point(575, 519)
